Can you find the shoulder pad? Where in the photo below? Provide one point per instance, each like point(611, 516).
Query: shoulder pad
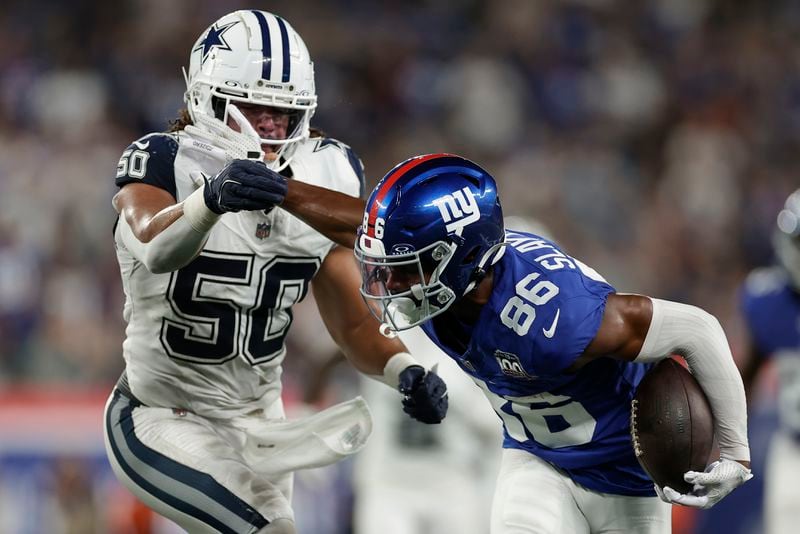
point(150, 160)
point(328, 143)
point(556, 309)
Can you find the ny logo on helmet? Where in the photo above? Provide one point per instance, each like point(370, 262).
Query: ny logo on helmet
point(458, 209)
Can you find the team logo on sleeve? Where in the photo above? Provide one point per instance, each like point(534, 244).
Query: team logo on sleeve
point(458, 209)
point(511, 366)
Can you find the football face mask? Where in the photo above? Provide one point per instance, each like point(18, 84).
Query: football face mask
point(405, 290)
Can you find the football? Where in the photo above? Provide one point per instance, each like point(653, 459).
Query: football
point(671, 425)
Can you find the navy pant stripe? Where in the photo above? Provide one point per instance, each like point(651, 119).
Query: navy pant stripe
point(222, 510)
point(266, 47)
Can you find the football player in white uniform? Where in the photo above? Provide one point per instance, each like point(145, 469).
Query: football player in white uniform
point(210, 269)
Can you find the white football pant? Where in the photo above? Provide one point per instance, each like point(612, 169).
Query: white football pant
point(224, 475)
point(532, 497)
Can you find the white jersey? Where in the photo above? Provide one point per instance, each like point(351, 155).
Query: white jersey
point(209, 337)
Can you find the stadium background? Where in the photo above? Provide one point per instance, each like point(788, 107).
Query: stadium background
point(656, 139)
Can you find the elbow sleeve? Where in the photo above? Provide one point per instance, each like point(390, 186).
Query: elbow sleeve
point(697, 336)
point(171, 249)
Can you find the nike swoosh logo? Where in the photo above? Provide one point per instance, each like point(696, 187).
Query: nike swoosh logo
point(550, 332)
point(142, 146)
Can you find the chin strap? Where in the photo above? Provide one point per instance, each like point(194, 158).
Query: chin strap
point(491, 257)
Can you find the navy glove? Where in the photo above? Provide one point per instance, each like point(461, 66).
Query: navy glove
point(424, 394)
point(244, 185)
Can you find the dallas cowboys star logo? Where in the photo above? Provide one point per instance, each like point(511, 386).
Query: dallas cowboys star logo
point(214, 39)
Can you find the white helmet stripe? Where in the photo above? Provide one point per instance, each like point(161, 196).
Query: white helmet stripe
point(266, 45)
point(285, 46)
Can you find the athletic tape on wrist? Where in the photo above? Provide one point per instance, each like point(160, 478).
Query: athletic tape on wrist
point(395, 365)
point(197, 214)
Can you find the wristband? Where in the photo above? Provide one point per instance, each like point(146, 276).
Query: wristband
point(197, 214)
point(396, 365)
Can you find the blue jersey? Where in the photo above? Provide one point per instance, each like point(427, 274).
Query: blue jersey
point(771, 309)
point(545, 309)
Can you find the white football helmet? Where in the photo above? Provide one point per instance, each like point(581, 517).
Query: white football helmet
point(254, 57)
point(786, 238)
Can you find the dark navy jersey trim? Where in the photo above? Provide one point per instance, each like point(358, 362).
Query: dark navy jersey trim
point(358, 168)
point(151, 160)
point(352, 158)
point(285, 43)
point(266, 48)
point(169, 467)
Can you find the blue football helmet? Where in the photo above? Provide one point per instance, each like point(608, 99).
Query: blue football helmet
point(431, 227)
point(786, 238)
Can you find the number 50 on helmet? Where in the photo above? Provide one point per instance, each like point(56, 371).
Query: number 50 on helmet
point(431, 228)
point(257, 58)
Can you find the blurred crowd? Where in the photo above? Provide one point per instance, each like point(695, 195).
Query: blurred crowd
point(656, 139)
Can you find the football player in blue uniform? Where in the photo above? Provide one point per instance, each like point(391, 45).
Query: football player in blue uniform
point(557, 351)
point(211, 268)
point(770, 301)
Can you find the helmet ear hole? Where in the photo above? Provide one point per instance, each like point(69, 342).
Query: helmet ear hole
point(294, 120)
point(218, 106)
point(471, 256)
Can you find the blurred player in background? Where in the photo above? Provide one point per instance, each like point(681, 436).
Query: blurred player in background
point(770, 300)
point(211, 268)
point(427, 479)
point(551, 344)
point(420, 479)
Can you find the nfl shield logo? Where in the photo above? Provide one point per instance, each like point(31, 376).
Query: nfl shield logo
point(263, 230)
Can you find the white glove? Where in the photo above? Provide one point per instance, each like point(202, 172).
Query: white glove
point(711, 486)
point(235, 145)
point(660, 493)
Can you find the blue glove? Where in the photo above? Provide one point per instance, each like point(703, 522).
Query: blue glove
point(244, 185)
point(424, 394)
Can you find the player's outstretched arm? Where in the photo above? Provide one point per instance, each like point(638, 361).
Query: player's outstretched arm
point(165, 235)
point(333, 214)
point(356, 331)
point(641, 329)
